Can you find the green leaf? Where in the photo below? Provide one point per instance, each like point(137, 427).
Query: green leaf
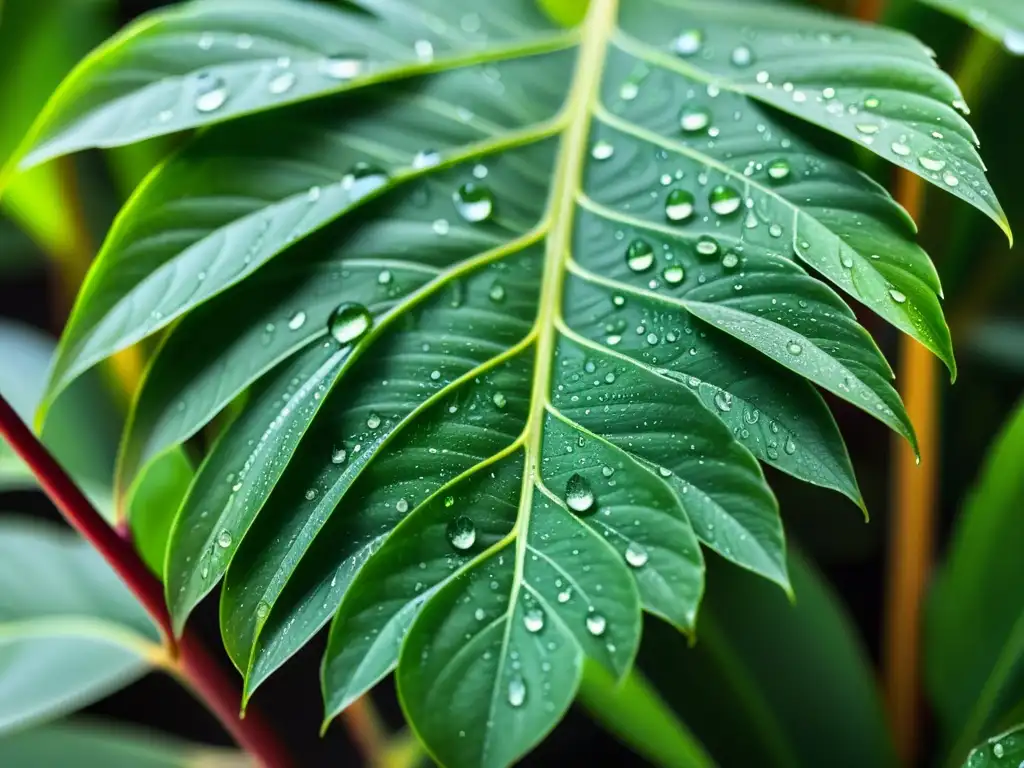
point(1002, 20)
point(972, 676)
point(770, 682)
point(519, 292)
point(70, 632)
point(634, 712)
point(108, 746)
point(153, 503)
point(1003, 751)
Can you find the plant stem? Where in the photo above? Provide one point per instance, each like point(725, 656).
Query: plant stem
point(192, 663)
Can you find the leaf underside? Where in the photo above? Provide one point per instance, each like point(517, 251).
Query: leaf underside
point(516, 310)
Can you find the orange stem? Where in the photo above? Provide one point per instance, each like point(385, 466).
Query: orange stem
point(912, 520)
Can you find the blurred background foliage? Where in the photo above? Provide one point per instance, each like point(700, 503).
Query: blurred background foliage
point(767, 682)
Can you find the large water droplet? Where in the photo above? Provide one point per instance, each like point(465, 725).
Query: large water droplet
point(723, 401)
point(349, 322)
point(516, 691)
point(474, 202)
point(636, 556)
point(639, 255)
point(373, 421)
point(899, 148)
point(778, 170)
point(707, 246)
point(596, 624)
point(462, 533)
point(533, 620)
point(211, 93)
point(741, 56)
point(693, 119)
point(933, 164)
point(898, 296)
point(602, 150)
point(679, 205)
point(224, 539)
point(725, 200)
point(688, 42)
point(673, 274)
point(730, 260)
point(578, 495)
point(297, 320)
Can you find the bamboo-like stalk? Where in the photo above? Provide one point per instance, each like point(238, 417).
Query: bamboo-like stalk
point(190, 661)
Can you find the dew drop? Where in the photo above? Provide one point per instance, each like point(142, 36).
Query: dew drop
point(602, 150)
point(497, 293)
point(639, 255)
point(688, 42)
point(341, 68)
point(533, 620)
point(297, 320)
point(789, 447)
point(868, 129)
point(578, 495)
point(596, 624)
point(724, 200)
point(794, 348)
point(693, 119)
point(262, 610)
point(741, 56)
point(224, 539)
point(723, 401)
point(281, 83)
point(462, 533)
point(778, 170)
point(516, 691)
point(933, 164)
point(349, 322)
point(730, 260)
point(950, 179)
point(373, 421)
point(673, 274)
point(402, 506)
point(211, 93)
point(898, 296)
point(474, 202)
point(707, 246)
point(311, 494)
point(636, 556)
point(499, 400)
point(426, 158)
point(679, 205)
point(899, 148)
point(338, 456)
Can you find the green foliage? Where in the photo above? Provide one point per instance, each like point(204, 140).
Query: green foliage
point(1003, 751)
point(510, 312)
point(1000, 19)
point(975, 676)
point(70, 632)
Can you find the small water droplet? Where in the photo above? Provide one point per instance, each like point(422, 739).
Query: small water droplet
point(211, 93)
point(723, 401)
point(741, 56)
point(579, 497)
point(693, 119)
point(262, 610)
point(497, 293)
point(338, 456)
point(898, 296)
point(424, 50)
point(462, 533)
point(499, 400)
point(281, 83)
point(349, 322)
point(402, 505)
point(790, 446)
point(639, 255)
point(950, 179)
point(724, 200)
point(533, 620)
point(596, 624)
point(426, 158)
point(778, 170)
point(899, 148)
point(224, 539)
point(933, 164)
point(297, 320)
point(311, 494)
point(384, 277)
point(373, 421)
point(794, 348)
point(602, 150)
point(474, 202)
point(730, 260)
point(516, 691)
point(636, 556)
point(441, 227)
point(679, 205)
point(868, 129)
point(673, 275)
point(341, 68)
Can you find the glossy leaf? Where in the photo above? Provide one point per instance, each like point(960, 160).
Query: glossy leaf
point(972, 676)
point(1000, 19)
point(109, 746)
point(153, 504)
point(70, 632)
point(513, 318)
point(1003, 751)
point(773, 683)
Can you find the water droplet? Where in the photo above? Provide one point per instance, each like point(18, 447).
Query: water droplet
point(794, 348)
point(673, 275)
point(206, 41)
point(373, 421)
point(516, 691)
point(778, 170)
point(311, 494)
point(384, 277)
point(933, 164)
point(499, 400)
point(693, 119)
point(596, 624)
point(639, 255)
point(224, 539)
point(871, 102)
point(898, 296)
point(730, 260)
point(362, 179)
point(789, 447)
point(211, 93)
point(497, 293)
point(243, 42)
point(602, 150)
point(899, 148)
point(533, 620)
point(775, 230)
point(724, 200)
point(868, 129)
point(402, 505)
point(636, 556)
point(338, 456)
point(262, 610)
point(341, 68)
point(950, 179)
point(707, 246)
point(424, 50)
point(281, 83)
point(297, 320)
point(629, 90)
point(349, 322)
point(723, 401)
point(828, 93)
point(741, 56)
point(688, 42)
point(462, 533)
point(474, 202)
point(578, 495)
point(679, 205)
point(441, 226)
point(426, 158)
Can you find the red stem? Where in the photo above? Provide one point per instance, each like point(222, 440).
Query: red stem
point(193, 663)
